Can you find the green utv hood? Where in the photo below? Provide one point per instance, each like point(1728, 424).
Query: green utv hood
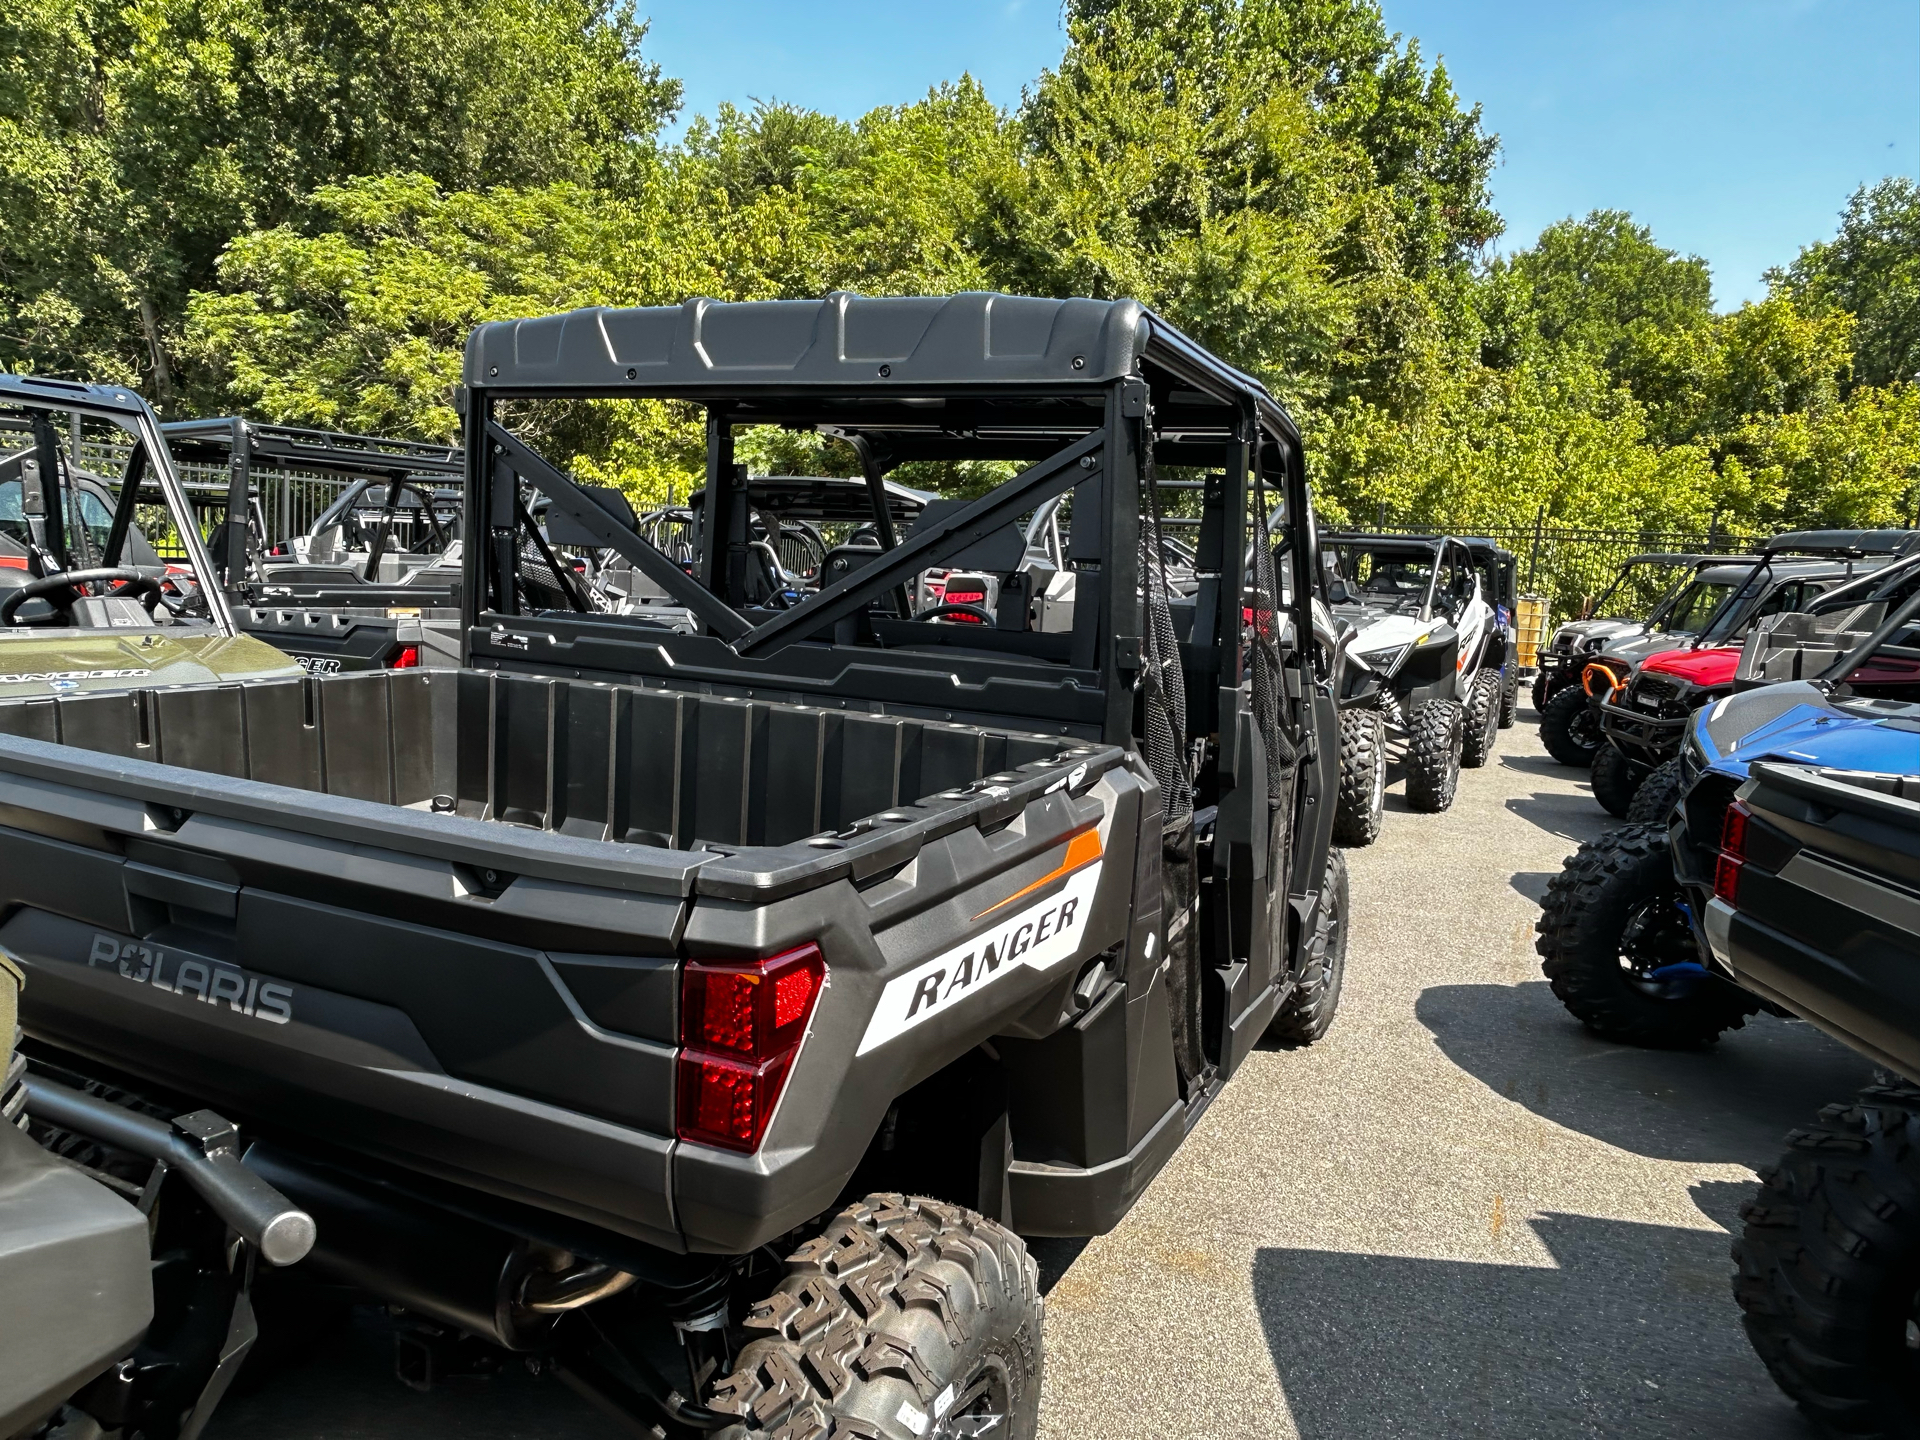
point(71, 662)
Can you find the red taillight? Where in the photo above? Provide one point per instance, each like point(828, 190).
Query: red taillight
point(740, 1025)
point(407, 659)
point(1733, 853)
point(1733, 830)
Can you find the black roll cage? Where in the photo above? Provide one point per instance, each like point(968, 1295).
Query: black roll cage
point(41, 397)
point(1096, 430)
point(1470, 553)
point(240, 444)
point(1849, 546)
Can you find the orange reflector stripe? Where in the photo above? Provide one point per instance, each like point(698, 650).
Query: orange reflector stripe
point(1082, 850)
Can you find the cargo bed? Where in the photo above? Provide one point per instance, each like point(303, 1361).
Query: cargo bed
point(439, 917)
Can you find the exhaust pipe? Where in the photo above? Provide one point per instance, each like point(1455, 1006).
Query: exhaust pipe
point(449, 1268)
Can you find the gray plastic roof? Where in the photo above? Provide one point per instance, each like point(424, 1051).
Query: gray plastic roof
point(842, 341)
point(40, 392)
point(1865, 542)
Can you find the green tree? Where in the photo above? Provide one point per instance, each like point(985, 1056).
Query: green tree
point(1870, 270)
point(141, 136)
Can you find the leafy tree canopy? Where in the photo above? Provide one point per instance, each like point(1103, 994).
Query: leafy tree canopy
point(1870, 270)
point(302, 210)
point(140, 137)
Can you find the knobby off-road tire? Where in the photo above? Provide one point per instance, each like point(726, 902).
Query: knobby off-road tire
point(1620, 954)
point(1657, 795)
point(1310, 1009)
point(1482, 725)
point(1509, 696)
point(1616, 779)
point(1540, 696)
point(1434, 740)
point(1570, 729)
point(1828, 1266)
point(1363, 778)
point(903, 1320)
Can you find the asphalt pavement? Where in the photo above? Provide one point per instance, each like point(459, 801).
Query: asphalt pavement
point(1456, 1215)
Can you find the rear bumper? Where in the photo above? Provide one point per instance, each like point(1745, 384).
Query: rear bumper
point(1860, 1010)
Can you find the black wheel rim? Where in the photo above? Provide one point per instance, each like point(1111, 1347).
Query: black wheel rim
point(1584, 728)
point(980, 1407)
point(1657, 953)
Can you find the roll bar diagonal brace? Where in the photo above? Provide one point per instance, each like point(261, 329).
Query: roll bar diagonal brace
point(932, 544)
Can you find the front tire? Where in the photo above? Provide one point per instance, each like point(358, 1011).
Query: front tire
point(1482, 726)
point(1616, 779)
point(1653, 802)
point(1435, 737)
point(1309, 1010)
point(1828, 1266)
point(1509, 696)
point(904, 1320)
point(1363, 778)
point(1617, 947)
point(1570, 729)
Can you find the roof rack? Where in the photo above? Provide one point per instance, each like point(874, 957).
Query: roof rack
point(290, 447)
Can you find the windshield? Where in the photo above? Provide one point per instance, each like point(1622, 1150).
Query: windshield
point(87, 516)
point(1395, 576)
point(1693, 607)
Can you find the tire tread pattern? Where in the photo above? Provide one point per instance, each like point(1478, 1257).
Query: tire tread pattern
point(1579, 931)
point(1617, 778)
point(1363, 752)
point(1657, 795)
point(1433, 755)
point(1482, 723)
point(893, 1297)
point(1828, 1261)
point(1556, 722)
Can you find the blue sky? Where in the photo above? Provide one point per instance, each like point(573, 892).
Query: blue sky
point(1735, 128)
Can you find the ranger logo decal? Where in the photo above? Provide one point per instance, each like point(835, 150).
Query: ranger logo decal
point(1039, 937)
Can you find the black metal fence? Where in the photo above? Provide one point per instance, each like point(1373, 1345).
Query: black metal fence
point(1571, 567)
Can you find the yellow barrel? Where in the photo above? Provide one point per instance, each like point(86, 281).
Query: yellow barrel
point(1532, 628)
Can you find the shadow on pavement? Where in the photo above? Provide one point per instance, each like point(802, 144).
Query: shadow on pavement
point(1540, 765)
point(1572, 817)
point(1731, 1103)
point(1633, 1332)
point(345, 1389)
point(1532, 883)
point(1055, 1256)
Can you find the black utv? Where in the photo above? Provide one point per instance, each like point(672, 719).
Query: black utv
point(708, 1009)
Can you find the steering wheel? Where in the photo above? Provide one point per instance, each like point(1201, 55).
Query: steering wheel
point(133, 583)
point(978, 612)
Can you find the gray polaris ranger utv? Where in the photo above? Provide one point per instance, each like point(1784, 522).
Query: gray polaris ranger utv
point(707, 1015)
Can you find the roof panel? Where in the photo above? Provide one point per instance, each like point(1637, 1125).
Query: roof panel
point(971, 338)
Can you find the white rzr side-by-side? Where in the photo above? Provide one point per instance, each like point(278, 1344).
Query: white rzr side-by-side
point(1427, 672)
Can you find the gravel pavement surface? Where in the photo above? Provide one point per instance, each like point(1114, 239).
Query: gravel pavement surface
point(1457, 1215)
